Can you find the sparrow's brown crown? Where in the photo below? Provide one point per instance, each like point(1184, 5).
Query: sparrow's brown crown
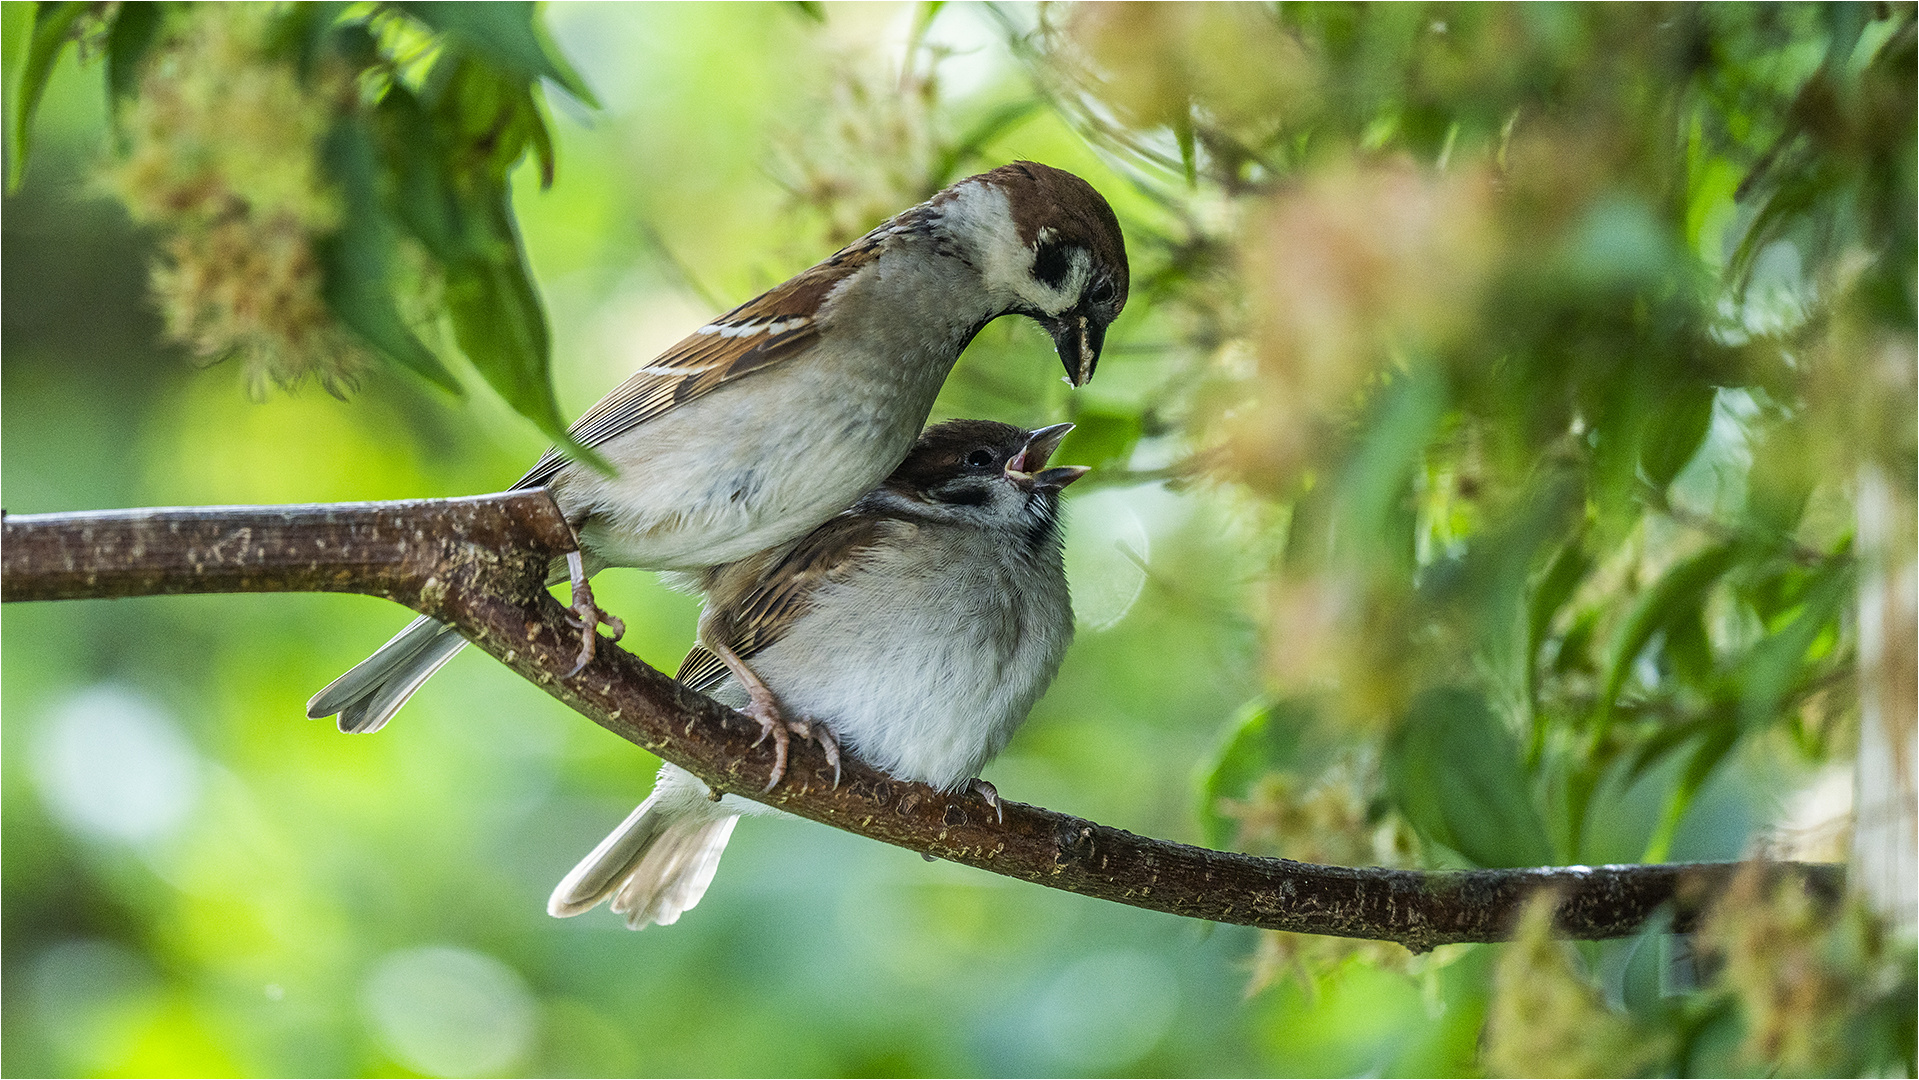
point(943, 450)
point(985, 464)
point(1069, 270)
point(1070, 212)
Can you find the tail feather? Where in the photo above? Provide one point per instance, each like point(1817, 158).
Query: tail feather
point(675, 875)
point(367, 696)
point(660, 860)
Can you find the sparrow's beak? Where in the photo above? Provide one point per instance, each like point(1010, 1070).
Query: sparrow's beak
point(1077, 337)
point(1028, 467)
point(1058, 477)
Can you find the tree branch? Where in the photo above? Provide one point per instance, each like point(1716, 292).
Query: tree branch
point(480, 564)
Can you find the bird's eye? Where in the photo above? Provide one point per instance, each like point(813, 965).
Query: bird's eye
point(979, 459)
point(1102, 292)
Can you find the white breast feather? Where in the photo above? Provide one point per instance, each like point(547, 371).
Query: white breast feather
point(924, 664)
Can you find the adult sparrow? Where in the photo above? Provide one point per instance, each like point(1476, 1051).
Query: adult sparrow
point(777, 415)
point(919, 626)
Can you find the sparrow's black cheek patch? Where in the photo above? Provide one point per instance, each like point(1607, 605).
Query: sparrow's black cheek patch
point(963, 495)
point(1051, 264)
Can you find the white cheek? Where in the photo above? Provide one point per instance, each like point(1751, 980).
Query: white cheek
point(979, 217)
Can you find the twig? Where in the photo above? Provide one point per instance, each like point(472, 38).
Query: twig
point(481, 563)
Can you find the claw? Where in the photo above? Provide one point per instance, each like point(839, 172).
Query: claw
point(588, 650)
point(811, 730)
point(585, 616)
point(991, 794)
point(771, 724)
point(830, 744)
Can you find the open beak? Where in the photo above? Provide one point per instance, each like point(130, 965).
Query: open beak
point(1077, 338)
point(1028, 467)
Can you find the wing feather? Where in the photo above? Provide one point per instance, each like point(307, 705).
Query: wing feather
point(774, 326)
point(702, 670)
point(783, 594)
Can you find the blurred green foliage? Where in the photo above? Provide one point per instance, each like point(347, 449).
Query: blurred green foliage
point(1552, 338)
point(424, 110)
point(1475, 463)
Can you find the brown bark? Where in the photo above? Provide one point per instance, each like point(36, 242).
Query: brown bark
point(480, 564)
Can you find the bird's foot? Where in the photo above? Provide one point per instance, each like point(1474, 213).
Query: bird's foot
point(991, 794)
point(820, 733)
point(585, 616)
point(773, 725)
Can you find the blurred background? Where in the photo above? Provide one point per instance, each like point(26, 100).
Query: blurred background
point(1478, 468)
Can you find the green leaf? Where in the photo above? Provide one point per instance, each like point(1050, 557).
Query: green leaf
point(1678, 428)
point(1454, 770)
point(1689, 648)
point(1577, 643)
point(1671, 737)
point(48, 27)
point(424, 199)
point(1770, 671)
point(1806, 188)
point(1682, 589)
point(541, 136)
point(485, 120)
point(499, 323)
point(16, 40)
point(1719, 742)
point(16, 34)
point(1569, 567)
point(306, 32)
point(923, 18)
point(1375, 488)
point(356, 261)
point(507, 33)
point(1780, 482)
point(1262, 739)
point(451, 153)
point(133, 33)
point(812, 9)
point(1556, 586)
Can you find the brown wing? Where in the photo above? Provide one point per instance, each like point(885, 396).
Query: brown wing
point(782, 594)
point(763, 331)
point(785, 592)
point(701, 670)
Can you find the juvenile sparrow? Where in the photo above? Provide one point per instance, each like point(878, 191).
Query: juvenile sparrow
point(919, 626)
point(778, 414)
